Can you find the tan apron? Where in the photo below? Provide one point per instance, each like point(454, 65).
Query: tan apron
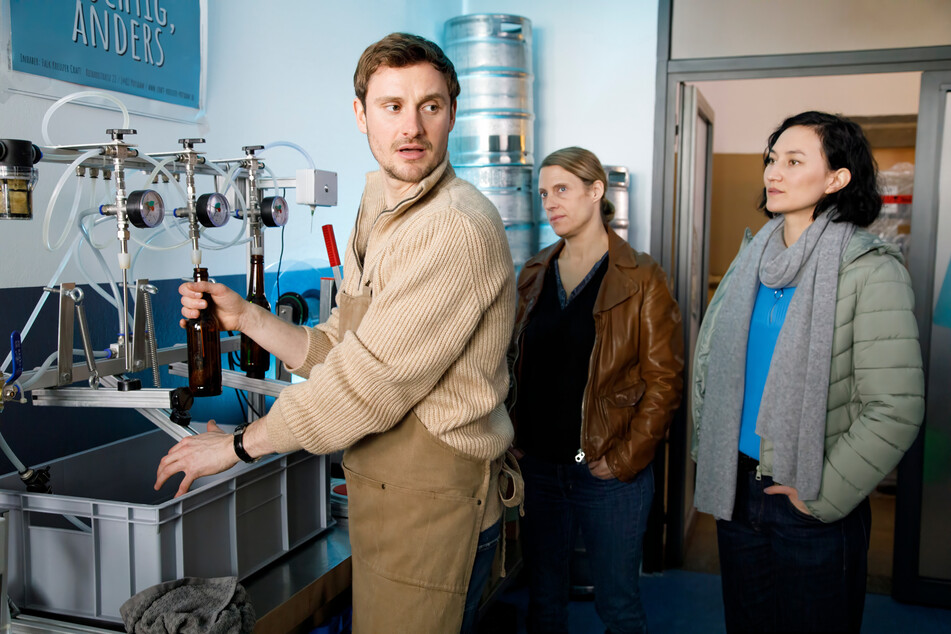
point(416, 507)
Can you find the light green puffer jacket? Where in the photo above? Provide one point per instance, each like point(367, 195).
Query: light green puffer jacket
point(876, 385)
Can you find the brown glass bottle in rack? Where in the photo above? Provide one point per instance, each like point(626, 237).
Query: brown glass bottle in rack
point(255, 360)
point(204, 347)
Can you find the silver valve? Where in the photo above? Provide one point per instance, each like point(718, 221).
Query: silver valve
point(118, 133)
point(119, 149)
point(190, 156)
point(211, 210)
point(144, 209)
point(189, 144)
point(271, 210)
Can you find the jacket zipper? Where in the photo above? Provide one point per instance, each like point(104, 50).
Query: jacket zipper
point(580, 456)
point(759, 464)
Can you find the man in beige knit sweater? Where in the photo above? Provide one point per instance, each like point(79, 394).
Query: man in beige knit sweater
point(409, 373)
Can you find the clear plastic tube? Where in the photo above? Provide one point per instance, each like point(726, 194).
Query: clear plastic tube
point(242, 204)
point(48, 218)
point(139, 251)
point(43, 297)
point(116, 299)
point(39, 371)
point(79, 95)
point(310, 161)
point(93, 211)
point(160, 167)
point(21, 468)
point(12, 457)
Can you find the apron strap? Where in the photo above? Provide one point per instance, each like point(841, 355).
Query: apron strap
point(512, 492)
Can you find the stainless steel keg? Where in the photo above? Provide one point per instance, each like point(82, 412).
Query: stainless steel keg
point(492, 143)
point(492, 54)
point(508, 187)
point(618, 192)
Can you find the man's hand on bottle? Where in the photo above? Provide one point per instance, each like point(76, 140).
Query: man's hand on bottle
point(230, 308)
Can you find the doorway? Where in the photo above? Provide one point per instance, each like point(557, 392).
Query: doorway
point(910, 541)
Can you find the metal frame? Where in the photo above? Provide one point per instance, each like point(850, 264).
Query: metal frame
point(909, 585)
point(670, 74)
point(237, 380)
point(680, 518)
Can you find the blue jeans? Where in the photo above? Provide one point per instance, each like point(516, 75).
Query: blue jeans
point(783, 570)
point(481, 569)
point(612, 516)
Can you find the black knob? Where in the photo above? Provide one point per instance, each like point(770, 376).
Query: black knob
point(182, 399)
point(19, 153)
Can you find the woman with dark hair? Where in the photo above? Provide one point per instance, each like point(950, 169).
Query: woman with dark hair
point(817, 390)
point(597, 361)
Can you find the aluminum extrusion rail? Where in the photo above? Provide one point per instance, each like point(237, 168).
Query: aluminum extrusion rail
point(108, 367)
point(237, 380)
point(67, 155)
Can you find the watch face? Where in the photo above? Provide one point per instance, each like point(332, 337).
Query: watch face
point(213, 209)
point(145, 208)
point(274, 211)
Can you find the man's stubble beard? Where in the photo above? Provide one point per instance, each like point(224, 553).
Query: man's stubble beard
point(411, 173)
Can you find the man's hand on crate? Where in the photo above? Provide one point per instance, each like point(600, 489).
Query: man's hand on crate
point(197, 456)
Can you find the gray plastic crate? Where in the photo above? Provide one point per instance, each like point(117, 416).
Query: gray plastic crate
point(230, 524)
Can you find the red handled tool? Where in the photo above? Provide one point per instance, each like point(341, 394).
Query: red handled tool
point(332, 255)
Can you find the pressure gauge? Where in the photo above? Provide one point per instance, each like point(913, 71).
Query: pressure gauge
point(274, 211)
point(213, 209)
point(145, 208)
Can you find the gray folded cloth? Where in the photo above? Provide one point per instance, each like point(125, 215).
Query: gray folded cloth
point(190, 606)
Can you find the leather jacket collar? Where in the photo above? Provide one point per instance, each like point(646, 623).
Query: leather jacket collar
point(621, 262)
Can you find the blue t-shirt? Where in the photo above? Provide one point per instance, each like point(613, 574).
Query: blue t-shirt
point(769, 313)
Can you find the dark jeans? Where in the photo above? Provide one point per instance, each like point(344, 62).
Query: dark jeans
point(612, 516)
point(785, 571)
point(481, 569)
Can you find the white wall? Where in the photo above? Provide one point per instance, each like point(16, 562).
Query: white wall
point(286, 74)
point(748, 110)
point(727, 28)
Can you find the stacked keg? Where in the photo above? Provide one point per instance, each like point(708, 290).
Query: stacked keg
point(618, 192)
point(492, 143)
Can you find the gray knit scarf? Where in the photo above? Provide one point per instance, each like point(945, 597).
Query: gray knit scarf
point(792, 413)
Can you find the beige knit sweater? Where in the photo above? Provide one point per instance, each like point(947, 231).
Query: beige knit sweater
point(435, 336)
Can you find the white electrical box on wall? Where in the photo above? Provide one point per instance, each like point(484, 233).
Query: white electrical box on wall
point(316, 187)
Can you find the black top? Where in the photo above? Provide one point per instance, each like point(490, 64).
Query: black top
point(556, 353)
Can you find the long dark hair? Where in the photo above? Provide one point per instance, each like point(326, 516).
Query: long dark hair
point(844, 145)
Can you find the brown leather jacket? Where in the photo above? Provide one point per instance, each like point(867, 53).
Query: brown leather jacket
point(636, 371)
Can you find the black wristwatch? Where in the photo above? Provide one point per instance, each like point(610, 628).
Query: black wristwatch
point(239, 449)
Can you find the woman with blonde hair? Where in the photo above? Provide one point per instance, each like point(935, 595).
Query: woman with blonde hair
point(597, 357)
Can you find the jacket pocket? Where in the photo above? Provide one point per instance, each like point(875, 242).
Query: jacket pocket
point(626, 396)
point(397, 531)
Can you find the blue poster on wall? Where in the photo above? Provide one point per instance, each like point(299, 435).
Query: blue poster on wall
point(148, 48)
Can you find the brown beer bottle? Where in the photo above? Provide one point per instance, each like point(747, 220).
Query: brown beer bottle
point(255, 360)
point(204, 347)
